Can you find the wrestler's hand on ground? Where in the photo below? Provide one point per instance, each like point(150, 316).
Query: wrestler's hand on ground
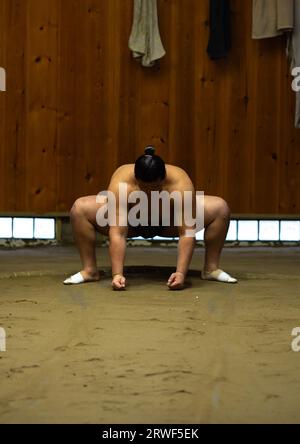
point(176, 281)
point(119, 283)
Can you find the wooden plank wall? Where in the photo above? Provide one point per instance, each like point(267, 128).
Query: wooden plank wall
point(77, 105)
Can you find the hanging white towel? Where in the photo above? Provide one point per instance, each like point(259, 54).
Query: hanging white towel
point(2, 80)
point(145, 41)
point(272, 18)
point(294, 55)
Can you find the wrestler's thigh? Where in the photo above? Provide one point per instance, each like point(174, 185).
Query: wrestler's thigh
point(90, 207)
point(213, 205)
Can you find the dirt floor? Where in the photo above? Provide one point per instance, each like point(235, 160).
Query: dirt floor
point(213, 353)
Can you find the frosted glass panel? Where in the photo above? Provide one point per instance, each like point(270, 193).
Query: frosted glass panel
point(269, 230)
point(200, 236)
point(290, 231)
point(248, 230)
point(23, 228)
point(232, 233)
point(5, 227)
point(44, 228)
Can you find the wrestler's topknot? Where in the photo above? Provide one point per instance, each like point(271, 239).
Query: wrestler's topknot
point(150, 167)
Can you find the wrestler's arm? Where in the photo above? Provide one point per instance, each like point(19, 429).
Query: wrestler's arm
point(118, 240)
point(186, 246)
point(187, 241)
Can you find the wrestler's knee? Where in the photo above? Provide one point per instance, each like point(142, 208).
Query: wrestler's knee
point(222, 208)
point(80, 207)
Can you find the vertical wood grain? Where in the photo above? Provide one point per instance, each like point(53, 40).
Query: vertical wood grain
point(78, 105)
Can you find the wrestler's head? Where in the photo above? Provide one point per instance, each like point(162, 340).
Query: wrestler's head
point(150, 170)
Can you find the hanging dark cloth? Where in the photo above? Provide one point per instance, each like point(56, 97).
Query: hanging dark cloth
point(220, 29)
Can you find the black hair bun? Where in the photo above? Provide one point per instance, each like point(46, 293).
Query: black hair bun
point(150, 151)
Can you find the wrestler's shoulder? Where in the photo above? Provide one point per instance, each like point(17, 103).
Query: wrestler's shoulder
point(178, 176)
point(123, 173)
point(125, 170)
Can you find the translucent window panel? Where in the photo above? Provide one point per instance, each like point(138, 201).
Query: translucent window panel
point(200, 236)
point(232, 232)
point(156, 238)
point(269, 230)
point(248, 230)
point(23, 228)
point(5, 227)
point(44, 228)
point(290, 231)
point(159, 238)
